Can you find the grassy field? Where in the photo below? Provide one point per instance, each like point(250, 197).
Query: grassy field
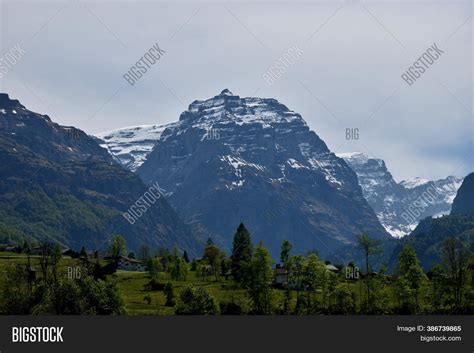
point(133, 286)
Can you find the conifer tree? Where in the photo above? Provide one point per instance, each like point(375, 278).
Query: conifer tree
point(241, 254)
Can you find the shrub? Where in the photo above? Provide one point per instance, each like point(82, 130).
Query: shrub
point(169, 293)
point(196, 301)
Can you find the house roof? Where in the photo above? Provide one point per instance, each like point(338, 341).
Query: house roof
point(280, 271)
point(331, 267)
point(129, 259)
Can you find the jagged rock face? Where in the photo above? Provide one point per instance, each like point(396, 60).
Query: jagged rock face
point(391, 200)
point(464, 200)
point(252, 160)
point(56, 182)
point(430, 234)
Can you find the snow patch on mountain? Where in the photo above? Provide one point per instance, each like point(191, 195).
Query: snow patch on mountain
point(414, 182)
point(131, 145)
point(293, 163)
point(238, 163)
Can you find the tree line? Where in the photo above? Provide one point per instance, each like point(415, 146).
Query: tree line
point(247, 274)
point(310, 288)
point(55, 288)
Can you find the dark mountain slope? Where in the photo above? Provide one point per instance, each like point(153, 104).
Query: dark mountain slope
point(56, 182)
point(464, 201)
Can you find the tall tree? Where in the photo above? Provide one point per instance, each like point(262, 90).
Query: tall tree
point(241, 254)
point(55, 259)
point(144, 253)
point(315, 276)
point(410, 269)
point(369, 246)
point(83, 252)
point(27, 251)
point(213, 257)
point(185, 256)
point(117, 246)
point(169, 294)
point(285, 253)
point(296, 277)
point(178, 268)
point(456, 260)
point(285, 260)
point(44, 259)
point(154, 267)
point(261, 278)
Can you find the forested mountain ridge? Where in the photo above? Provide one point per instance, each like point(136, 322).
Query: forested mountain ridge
point(57, 183)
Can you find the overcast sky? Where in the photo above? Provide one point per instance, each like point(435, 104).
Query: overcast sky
point(348, 76)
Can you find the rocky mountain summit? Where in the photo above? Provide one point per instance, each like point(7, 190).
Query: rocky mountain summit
point(253, 160)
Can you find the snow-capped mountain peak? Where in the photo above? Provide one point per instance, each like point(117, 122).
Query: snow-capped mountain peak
point(253, 160)
point(227, 108)
point(390, 200)
point(226, 92)
point(131, 145)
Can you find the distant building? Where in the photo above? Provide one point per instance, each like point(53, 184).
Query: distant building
point(99, 255)
point(12, 249)
point(127, 264)
point(38, 250)
point(228, 274)
point(69, 252)
point(332, 268)
point(280, 276)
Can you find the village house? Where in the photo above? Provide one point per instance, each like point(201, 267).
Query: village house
point(332, 268)
point(69, 252)
point(38, 250)
point(127, 264)
point(280, 275)
point(12, 249)
point(98, 254)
